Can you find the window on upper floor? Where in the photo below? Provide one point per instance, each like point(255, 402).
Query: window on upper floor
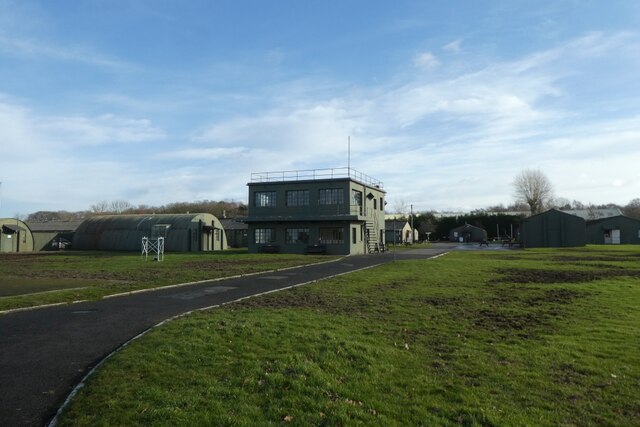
point(331, 196)
point(264, 199)
point(298, 198)
point(356, 198)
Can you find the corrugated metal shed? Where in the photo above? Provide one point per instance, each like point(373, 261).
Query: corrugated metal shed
point(236, 231)
point(553, 229)
point(593, 214)
point(467, 233)
point(617, 230)
point(184, 232)
point(53, 235)
point(15, 236)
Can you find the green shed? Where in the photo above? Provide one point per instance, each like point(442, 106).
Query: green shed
point(53, 235)
point(616, 230)
point(553, 229)
point(182, 233)
point(15, 236)
point(467, 233)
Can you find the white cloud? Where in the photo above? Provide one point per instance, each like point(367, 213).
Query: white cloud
point(215, 153)
point(452, 139)
point(454, 46)
point(36, 49)
point(104, 129)
point(425, 60)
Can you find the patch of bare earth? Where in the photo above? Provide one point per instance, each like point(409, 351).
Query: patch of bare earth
point(522, 275)
point(308, 300)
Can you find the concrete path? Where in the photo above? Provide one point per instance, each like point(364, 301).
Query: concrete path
point(45, 352)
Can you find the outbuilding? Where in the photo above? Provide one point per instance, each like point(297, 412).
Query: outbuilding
point(15, 236)
point(553, 229)
point(468, 233)
point(236, 231)
point(617, 230)
point(398, 231)
point(53, 235)
point(182, 233)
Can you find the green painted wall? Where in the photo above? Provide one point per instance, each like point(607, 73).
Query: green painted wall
point(553, 229)
point(628, 228)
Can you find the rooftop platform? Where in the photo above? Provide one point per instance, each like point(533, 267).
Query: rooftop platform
point(314, 175)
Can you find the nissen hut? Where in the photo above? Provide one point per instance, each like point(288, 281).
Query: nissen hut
point(15, 236)
point(182, 233)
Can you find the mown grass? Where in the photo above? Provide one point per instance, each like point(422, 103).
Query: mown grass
point(541, 337)
point(29, 279)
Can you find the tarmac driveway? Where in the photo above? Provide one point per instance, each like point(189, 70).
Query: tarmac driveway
point(45, 352)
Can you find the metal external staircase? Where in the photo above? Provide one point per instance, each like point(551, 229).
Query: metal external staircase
point(372, 238)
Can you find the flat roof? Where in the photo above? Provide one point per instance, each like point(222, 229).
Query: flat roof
point(315, 175)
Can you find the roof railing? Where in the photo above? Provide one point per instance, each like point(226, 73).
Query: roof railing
point(315, 174)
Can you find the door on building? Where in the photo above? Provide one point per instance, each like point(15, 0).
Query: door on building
point(615, 237)
point(612, 237)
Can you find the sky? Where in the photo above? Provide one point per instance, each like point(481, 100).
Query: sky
point(445, 102)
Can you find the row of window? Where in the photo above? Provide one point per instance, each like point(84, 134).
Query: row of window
point(326, 236)
point(326, 196)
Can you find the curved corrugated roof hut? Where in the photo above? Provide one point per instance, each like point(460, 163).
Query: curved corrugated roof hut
point(15, 236)
point(467, 233)
point(182, 233)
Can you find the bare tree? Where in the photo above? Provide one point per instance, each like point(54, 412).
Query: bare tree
point(100, 207)
point(119, 206)
point(632, 209)
point(534, 188)
point(400, 206)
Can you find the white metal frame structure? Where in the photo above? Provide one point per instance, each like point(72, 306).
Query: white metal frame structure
point(153, 245)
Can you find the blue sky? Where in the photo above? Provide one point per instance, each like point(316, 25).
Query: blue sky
point(159, 101)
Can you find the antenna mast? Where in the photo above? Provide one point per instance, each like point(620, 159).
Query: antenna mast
point(349, 155)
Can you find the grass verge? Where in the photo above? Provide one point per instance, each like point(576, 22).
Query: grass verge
point(540, 337)
point(30, 279)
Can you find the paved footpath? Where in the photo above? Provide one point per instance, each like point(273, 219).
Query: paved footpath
point(45, 352)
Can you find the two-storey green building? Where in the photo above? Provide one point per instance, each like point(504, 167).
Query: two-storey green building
point(334, 211)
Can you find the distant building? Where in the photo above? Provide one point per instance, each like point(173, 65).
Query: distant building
point(551, 229)
point(616, 230)
point(53, 235)
point(15, 236)
point(236, 231)
point(467, 234)
point(397, 231)
point(182, 233)
point(334, 211)
point(593, 214)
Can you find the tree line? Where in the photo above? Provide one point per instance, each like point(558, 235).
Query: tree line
point(221, 209)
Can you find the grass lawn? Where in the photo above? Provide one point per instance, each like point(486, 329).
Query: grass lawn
point(536, 337)
point(29, 279)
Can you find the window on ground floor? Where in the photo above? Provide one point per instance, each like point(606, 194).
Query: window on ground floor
point(264, 235)
point(297, 235)
point(331, 236)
